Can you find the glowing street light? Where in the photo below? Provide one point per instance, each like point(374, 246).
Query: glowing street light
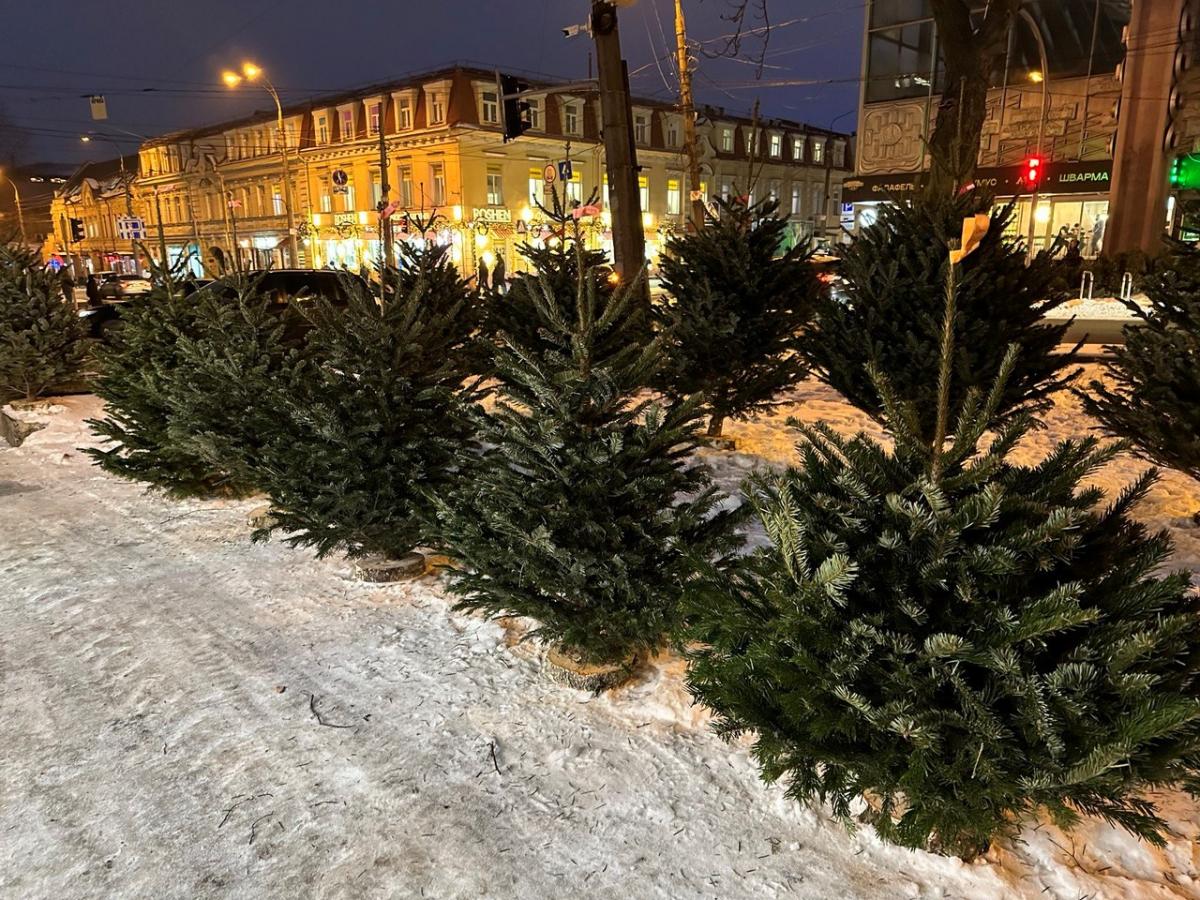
point(1036, 76)
point(252, 72)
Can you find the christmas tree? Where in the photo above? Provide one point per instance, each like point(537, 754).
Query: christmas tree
point(734, 312)
point(41, 340)
point(1153, 397)
point(582, 512)
point(892, 317)
point(956, 639)
point(368, 424)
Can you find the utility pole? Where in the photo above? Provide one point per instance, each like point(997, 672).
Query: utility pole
point(629, 243)
point(686, 107)
point(385, 222)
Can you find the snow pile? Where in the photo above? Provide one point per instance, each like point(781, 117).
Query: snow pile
point(191, 715)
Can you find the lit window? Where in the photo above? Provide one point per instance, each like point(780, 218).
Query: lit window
point(644, 192)
point(796, 198)
point(672, 133)
point(818, 200)
point(776, 145)
point(575, 188)
point(773, 193)
point(535, 114)
point(322, 129)
point(726, 140)
point(373, 112)
point(641, 128)
point(798, 149)
point(839, 154)
point(673, 196)
point(751, 142)
point(376, 189)
point(348, 199)
point(536, 187)
point(277, 200)
point(818, 151)
point(726, 190)
point(571, 118)
point(326, 197)
point(406, 186)
point(347, 124)
point(604, 189)
point(437, 178)
point(495, 188)
point(404, 114)
point(489, 108)
point(289, 131)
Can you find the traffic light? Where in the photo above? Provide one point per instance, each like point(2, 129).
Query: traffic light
point(516, 111)
point(1177, 172)
point(1032, 172)
point(77, 232)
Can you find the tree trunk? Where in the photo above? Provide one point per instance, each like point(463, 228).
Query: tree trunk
point(970, 54)
point(715, 424)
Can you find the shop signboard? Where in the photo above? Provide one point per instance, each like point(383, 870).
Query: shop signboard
point(1088, 177)
point(492, 214)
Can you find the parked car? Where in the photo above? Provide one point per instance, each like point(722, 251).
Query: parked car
point(115, 286)
point(829, 273)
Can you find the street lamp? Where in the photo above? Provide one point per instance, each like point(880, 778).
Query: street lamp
point(252, 73)
point(20, 213)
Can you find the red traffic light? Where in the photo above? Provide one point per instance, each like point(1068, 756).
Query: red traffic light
point(1033, 171)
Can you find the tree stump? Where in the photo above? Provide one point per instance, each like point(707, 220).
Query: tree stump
point(380, 570)
point(593, 677)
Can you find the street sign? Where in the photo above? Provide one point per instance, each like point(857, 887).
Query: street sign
point(131, 228)
point(99, 107)
point(564, 170)
point(549, 174)
point(341, 181)
point(521, 229)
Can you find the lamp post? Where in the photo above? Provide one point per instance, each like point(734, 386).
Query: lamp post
point(20, 213)
point(252, 72)
point(1042, 77)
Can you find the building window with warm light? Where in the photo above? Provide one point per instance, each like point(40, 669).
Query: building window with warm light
point(348, 199)
point(818, 200)
point(818, 151)
point(373, 116)
point(726, 140)
point(326, 197)
point(672, 133)
point(437, 180)
point(489, 108)
point(798, 149)
point(376, 189)
point(289, 135)
point(536, 188)
point(495, 187)
point(575, 188)
point(347, 124)
point(406, 186)
point(535, 114)
point(604, 190)
point(773, 191)
point(404, 114)
point(644, 192)
point(260, 196)
point(751, 142)
point(776, 146)
point(796, 201)
point(277, 200)
point(571, 118)
point(726, 190)
point(673, 196)
point(322, 129)
point(641, 128)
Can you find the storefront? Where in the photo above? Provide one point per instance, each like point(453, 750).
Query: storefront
point(1072, 202)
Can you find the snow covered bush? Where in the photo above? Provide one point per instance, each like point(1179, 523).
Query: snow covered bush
point(582, 512)
point(734, 311)
point(41, 340)
point(1153, 392)
point(892, 316)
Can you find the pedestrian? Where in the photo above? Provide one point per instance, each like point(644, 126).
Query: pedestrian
point(92, 289)
point(481, 276)
point(500, 276)
point(67, 283)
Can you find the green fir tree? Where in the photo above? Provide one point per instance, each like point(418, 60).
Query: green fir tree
point(1152, 392)
point(42, 344)
point(891, 318)
point(583, 511)
point(734, 312)
point(957, 640)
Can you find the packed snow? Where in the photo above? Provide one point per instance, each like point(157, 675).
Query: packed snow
point(191, 715)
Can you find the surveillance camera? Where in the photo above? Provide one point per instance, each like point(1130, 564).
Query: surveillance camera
point(572, 31)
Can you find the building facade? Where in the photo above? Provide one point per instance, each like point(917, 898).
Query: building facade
point(1104, 110)
point(84, 217)
point(221, 196)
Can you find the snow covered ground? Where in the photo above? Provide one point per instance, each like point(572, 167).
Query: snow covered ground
point(190, 715)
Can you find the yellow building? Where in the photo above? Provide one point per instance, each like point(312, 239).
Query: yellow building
point(89, 204)
point(222, 198)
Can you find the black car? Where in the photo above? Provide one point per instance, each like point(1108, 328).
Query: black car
point(282, 286)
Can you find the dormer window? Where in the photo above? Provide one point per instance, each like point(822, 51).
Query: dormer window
point(776, 149)
point(672, 133)
point(346, 123)
point(572, 117)
point(405, 103)
point(489, 108)
point(535, 114)
point(374, 116)
point(818, 151)
point(641, 128)
point(436, 98)
point(726, 140)
point(322, 128)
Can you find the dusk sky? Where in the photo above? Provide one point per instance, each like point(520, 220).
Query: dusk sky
point(158, 64)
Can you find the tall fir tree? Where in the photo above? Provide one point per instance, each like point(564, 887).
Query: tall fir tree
point(370, 423)
point(1152, 394)
point(582, 511)
point(734, 312)
point(42, 344)
point(955, 638)
point(892, 316)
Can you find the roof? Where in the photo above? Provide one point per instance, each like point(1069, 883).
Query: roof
point(103, 177)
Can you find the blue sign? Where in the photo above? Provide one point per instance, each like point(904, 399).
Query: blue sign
point(564, 170)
